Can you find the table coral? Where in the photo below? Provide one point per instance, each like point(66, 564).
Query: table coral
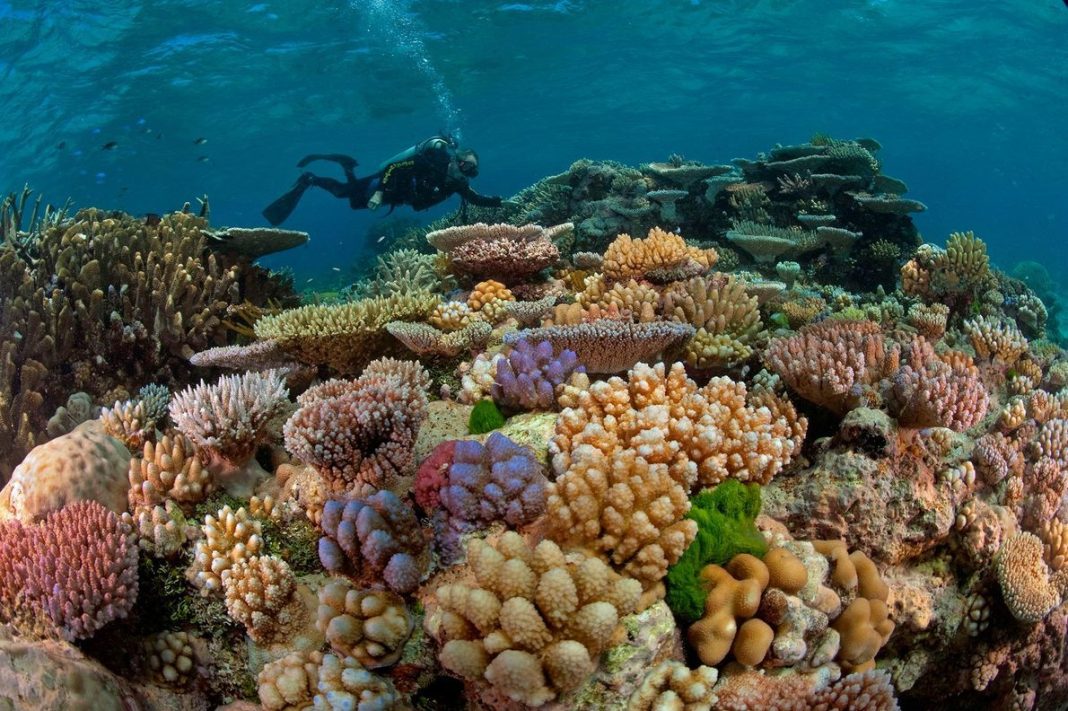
point(609, 345)
point(377, 538)
point(345, 336)
point(70, 574)
point(534, 622)
point(369, 625)
point(500, 251)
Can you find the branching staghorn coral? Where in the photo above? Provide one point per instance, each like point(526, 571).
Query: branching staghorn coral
point(361, 432)
point(109, 288)
point(660, 257)
point(705, 435)
point(532, 624)
point(226, 421)
point(834, 364)
point(69, 575)
point(377, 538)
point(931, 390)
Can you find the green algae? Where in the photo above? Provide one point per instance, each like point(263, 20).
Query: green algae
point(725, 528)
point(485, 417)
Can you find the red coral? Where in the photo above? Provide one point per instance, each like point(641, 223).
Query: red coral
point(432, 475)
point(72, 573)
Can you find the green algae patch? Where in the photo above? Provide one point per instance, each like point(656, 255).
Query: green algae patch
point(485, 417)
point(725, 528)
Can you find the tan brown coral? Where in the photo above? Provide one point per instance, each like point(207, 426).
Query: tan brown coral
point(661, 256)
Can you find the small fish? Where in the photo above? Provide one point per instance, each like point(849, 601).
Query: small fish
point(152, 219)
point(110, 146)
point(310, 280)
point(61, 145)
point(336, 269)
point(203, 159)
point(200, 141)
point(159, 135)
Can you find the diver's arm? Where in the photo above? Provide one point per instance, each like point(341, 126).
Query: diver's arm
point(468, 194)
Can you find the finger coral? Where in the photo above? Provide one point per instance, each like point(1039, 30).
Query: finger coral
point(660, 257)
point(168, 470)
point(533, 623)
point(69, 575)
point(377, 538)
point(624, 507)
point(369, 625)
point(726, 318)
point(361, 431)
point(229, 537)
point(260, 593)
point(528, 375)
point(704, 435)
point(671, 685)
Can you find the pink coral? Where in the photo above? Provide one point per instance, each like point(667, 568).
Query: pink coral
point(228, 420)
point(833, 364)
point(936, 391)
point(361, 431)
point(72, 573)
point(500, 251)
point(432, 475)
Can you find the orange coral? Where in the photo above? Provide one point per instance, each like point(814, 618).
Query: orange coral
point(661, 256)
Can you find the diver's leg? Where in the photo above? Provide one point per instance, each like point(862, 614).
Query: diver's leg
point(279, 210)
point(347, 163)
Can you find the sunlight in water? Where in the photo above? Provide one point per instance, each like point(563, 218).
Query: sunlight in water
point(395, 19)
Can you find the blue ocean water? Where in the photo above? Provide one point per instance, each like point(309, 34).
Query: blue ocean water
point(967, 98)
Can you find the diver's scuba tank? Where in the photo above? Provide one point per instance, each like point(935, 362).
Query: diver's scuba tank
point(412, 151)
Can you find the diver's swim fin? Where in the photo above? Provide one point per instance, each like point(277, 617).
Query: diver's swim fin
point(346, 162)
point(279, 210)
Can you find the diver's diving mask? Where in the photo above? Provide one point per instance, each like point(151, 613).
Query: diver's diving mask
point(467, 165)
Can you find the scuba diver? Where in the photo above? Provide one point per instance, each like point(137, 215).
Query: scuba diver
point(422, 176)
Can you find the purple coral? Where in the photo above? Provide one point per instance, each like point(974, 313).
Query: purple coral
point(527, 377)
point(498, 481)
point(71, 574)
point(377, 537)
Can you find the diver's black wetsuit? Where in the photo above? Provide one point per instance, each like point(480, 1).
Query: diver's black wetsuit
point(420, 181)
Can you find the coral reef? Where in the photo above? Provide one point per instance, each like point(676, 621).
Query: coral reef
point(584, 493)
